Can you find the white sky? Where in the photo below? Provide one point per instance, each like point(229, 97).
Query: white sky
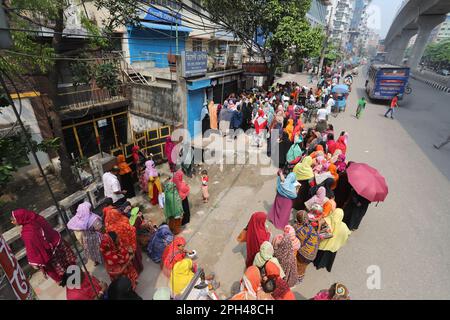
point(382, 13)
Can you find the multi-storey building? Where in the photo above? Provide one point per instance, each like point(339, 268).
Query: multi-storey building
point(342, 13)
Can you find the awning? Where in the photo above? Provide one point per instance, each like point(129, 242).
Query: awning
point(166, 27)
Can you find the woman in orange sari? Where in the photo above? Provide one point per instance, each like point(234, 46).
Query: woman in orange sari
point(126, 176)
point(116, 222)
point(118, 258)
point(333, 170)
point(250, 285)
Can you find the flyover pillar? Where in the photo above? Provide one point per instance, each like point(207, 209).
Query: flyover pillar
point(426, 25)
point(399, 51)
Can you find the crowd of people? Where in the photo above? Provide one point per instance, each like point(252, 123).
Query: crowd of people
point(315, 208)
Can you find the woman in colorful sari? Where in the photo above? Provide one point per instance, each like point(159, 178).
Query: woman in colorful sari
point(341, 144)
point(309, 244)
point(183, 190)
point(341, 165)
point(250, 285)
point(257, 233)
point(290, 129)
point(126, 176)
point(173, 207)
point(260, 124)
point(168, 152)
point(304, 173)
point(182, 274)
point(118, 258)
point(280, 212)
point(172, 254)
point(329, 247)
point(337, 291)
point(333, 170)
point(290, 232)
point(87, 226)
point(295, 152)
point(116, 222)
point(319, 198)
point(86, 290)
point(282, 290)
point(45, 248)
point(153, 186)
point(284, 252)
point(162, 238)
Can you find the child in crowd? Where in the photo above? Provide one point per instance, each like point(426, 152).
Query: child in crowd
point(205, 181)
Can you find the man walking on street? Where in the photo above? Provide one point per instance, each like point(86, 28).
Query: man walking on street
point(394, 104)
point(361, 107)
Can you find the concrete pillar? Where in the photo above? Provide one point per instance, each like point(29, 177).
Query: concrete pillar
point(399, 52)
point(392, 49)
point(426, 25)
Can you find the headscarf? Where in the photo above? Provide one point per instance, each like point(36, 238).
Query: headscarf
point(295, 151)
point(212, 109)
point(290, 231)
point(172, 255)
point(287, 188)
point(319, 198)
point(170, 145)
point(135, 153)
point(290, 129)
point(340, 163)
point(272, 270)
point(331, 145)
point(133, 216)
point(260, 123)
point(85, 291)
point(298, 128)
point(181, 276)
point(162, 238)
point(182, 187)
point(265, 254)
point(256, 234)
point(118, 223)
point(122, 289)
point(150, 170)
point(40, 239)
point(282, 290)
point(123, 165)
point(309, 241)
point(339, 230)
point(250, 283)
point(341, 145)
point(83, 219)
point(204, 112)
point(333, 170)
point(162, 294)
point(173, 207)
point(284, 252)
point(303, 170)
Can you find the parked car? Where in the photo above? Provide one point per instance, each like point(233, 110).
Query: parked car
point(444, 72)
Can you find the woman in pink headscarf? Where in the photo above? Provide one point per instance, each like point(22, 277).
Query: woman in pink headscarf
point(290, 231)
point(87, 226)
point(183, 190)
point(45, 248)
point(170, 145)
point(319, 198)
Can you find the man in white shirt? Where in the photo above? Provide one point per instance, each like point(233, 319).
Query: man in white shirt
point(322, 114)
point(112, 187)
point(330, 104)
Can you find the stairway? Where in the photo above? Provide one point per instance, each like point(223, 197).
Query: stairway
point(132, 74)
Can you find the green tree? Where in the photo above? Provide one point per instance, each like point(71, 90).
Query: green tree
point(31, 55)
point(280, 26)
point(438, 54)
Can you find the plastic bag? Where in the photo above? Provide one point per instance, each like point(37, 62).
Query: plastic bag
point(161, 200)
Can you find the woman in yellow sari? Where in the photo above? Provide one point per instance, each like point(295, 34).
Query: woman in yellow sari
point(181, 275)
point(290, 129)
point(151, 176)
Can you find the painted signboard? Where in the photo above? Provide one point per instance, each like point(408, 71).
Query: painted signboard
point(158, 15)
point(195, 63)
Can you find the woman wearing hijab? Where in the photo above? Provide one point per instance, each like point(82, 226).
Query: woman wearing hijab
point(183, 190)
point(341, 144)
point(118, 223)
point(284, 252)
point(286, 192)
point(45, 248)
point(290, 129)
point(151, 177)
point(205, 119)
point(145, 231)
point(118, 258)
point(138, 160)
point(304, 173)
point(173, 253)
point(295, 152)
point(355, 209)
point(126, 176)
point(308, 236)
point(122, 289)
point(87, 226)
point(337, 291)
point(290, 232)
point(282, 290)
point(168, 152)
point(264, 255)
point(250, 285)
point(257, 233)
point(319, 198)
point(173, 207)
point(158, 243)
point(182, 274)
point(212, 110)
point(331, 144)
point(260, 124)
point(333, 170)
point(340, 164)
point(87, 290)
point(329, 247)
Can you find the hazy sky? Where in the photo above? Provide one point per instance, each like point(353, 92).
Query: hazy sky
point(382, 13)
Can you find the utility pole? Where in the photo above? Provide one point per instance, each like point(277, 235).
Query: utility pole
point(325, 44)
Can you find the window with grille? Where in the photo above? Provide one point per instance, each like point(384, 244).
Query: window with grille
point(197, 45)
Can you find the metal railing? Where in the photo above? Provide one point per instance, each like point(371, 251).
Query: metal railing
point(75, 98)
